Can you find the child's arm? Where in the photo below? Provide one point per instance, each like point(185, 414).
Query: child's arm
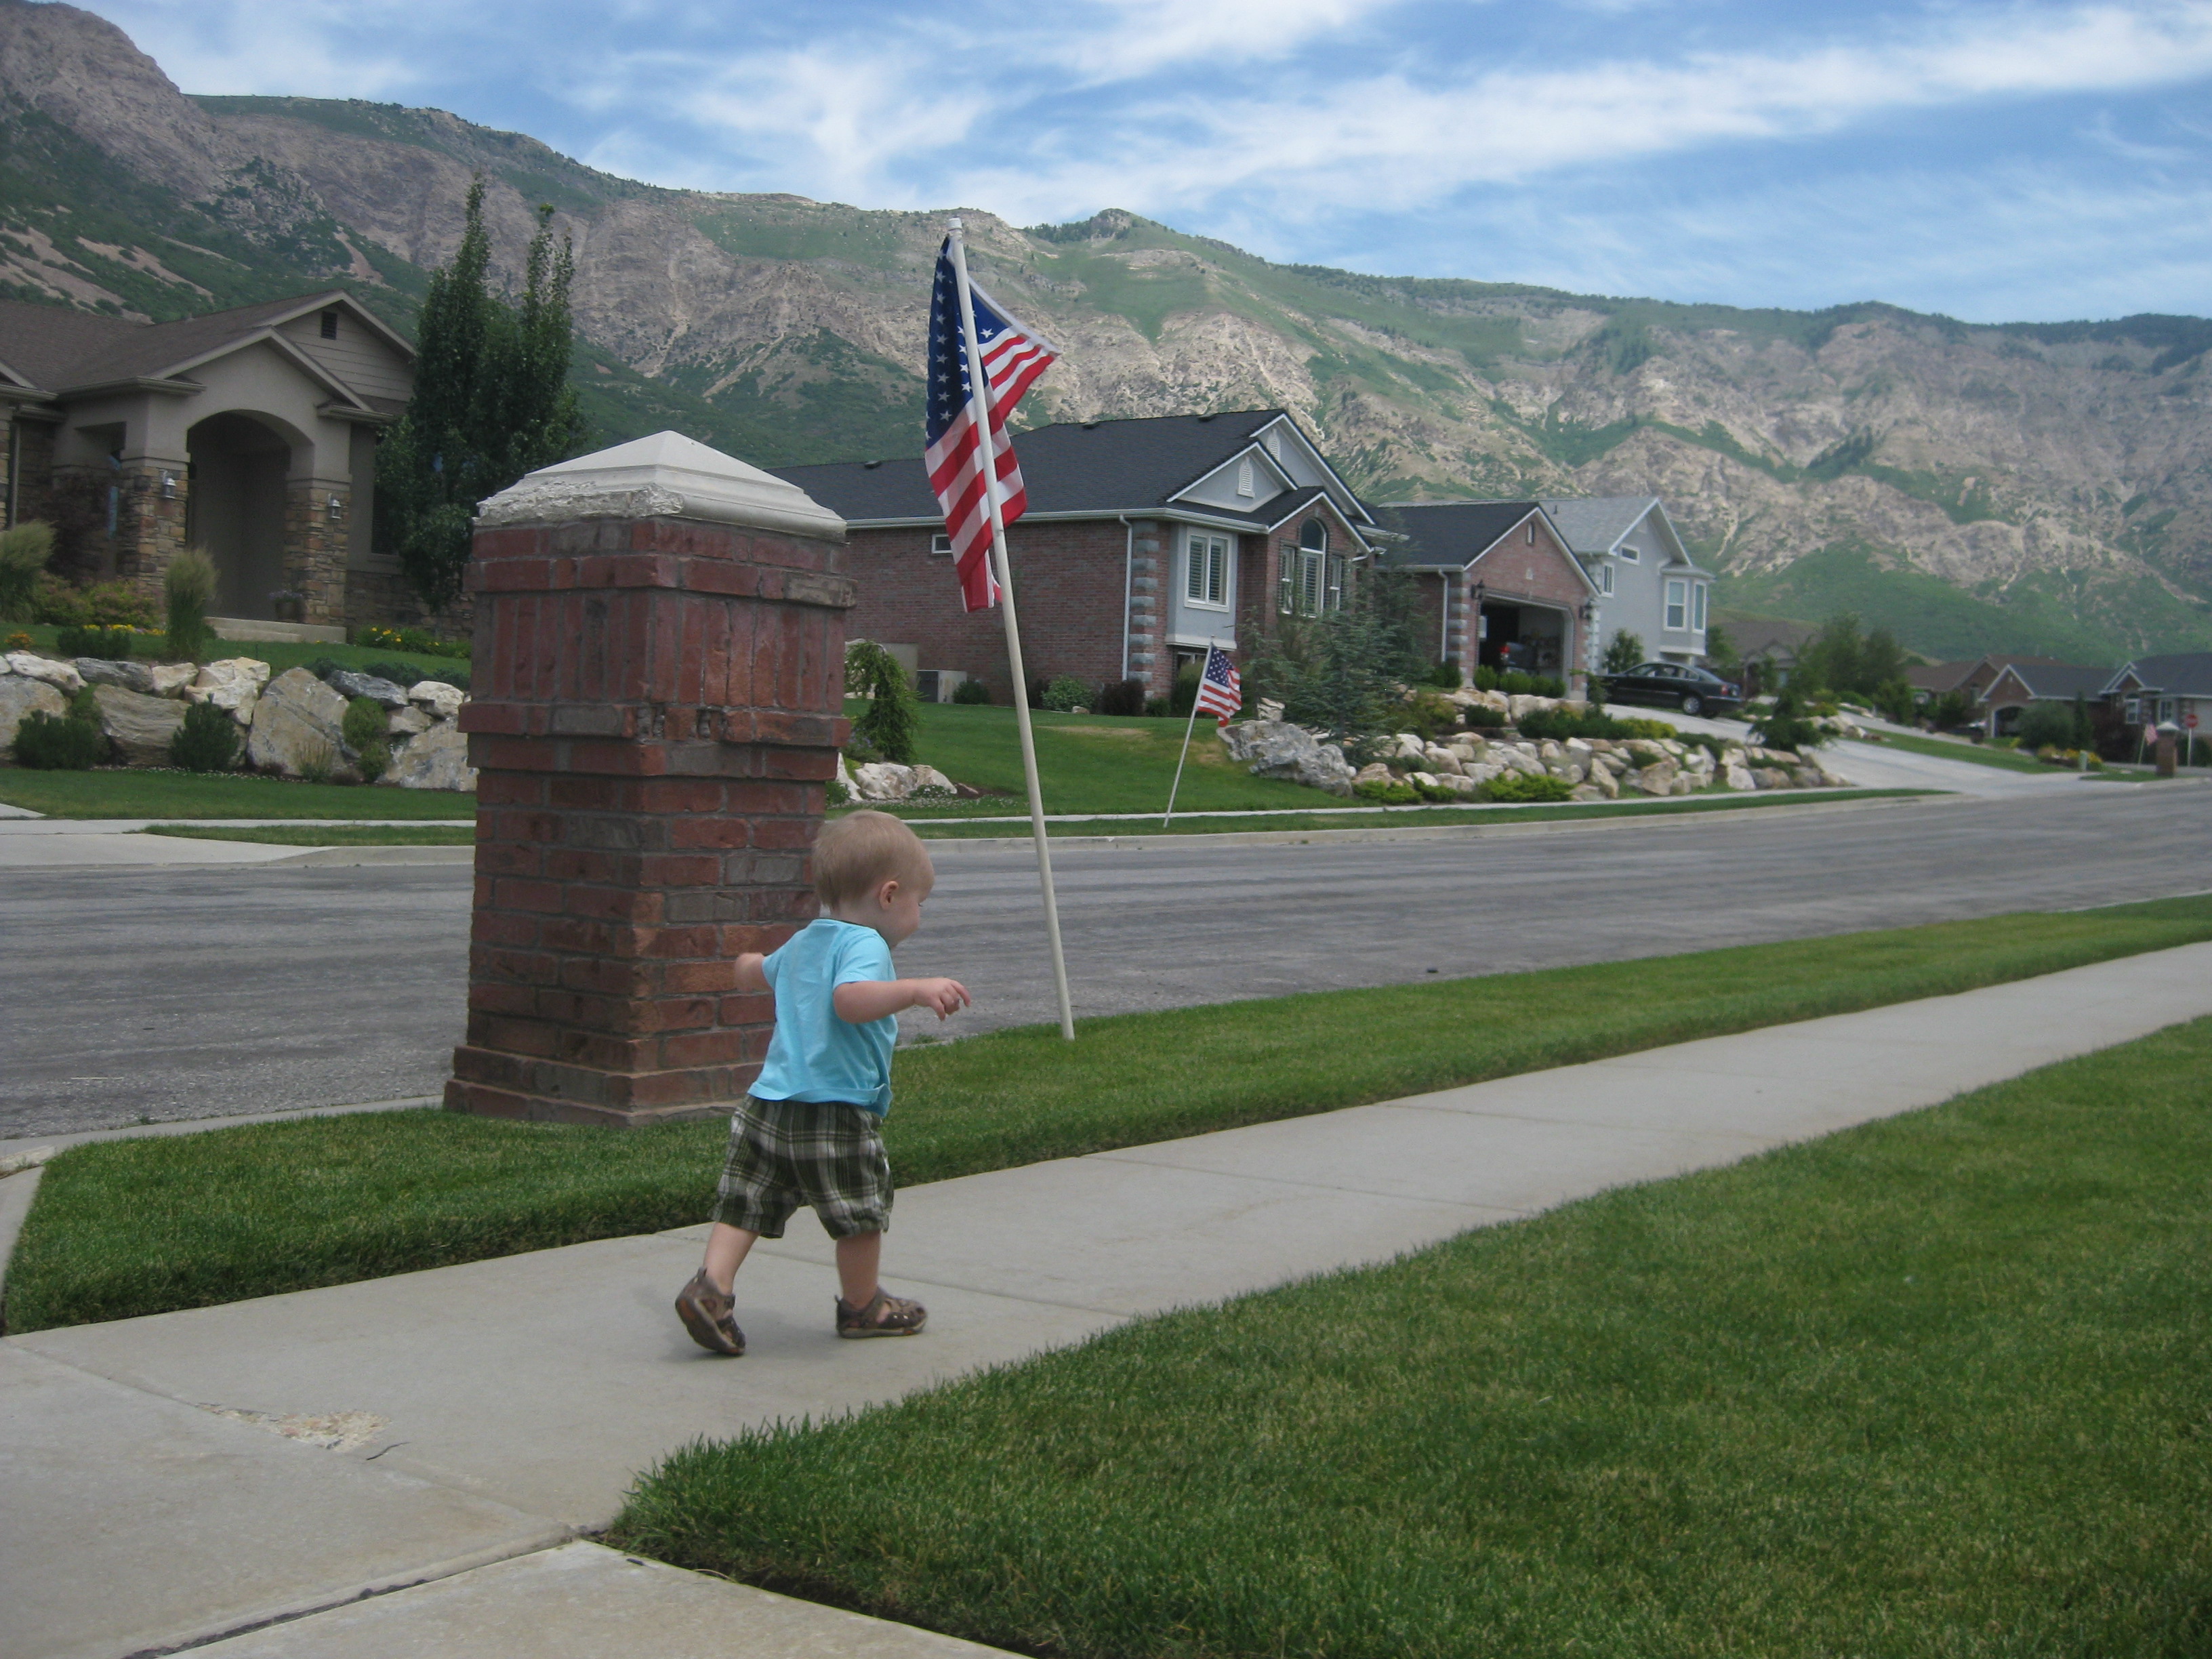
point(751, 975)
point(860, 1000)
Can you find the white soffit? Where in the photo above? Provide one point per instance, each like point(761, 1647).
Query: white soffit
point(667, 475)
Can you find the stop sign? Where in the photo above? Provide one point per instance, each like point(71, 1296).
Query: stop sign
point(2190, 720)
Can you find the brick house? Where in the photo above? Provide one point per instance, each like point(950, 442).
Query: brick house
point(250, 433)
point(1144, 540)
point(1508, 591)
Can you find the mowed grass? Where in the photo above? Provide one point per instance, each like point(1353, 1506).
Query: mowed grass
point(326, 835)
point(1937, 1386)
point(140, 1226)
point(131, 793)
point(1093, 762)
point(1979, 754)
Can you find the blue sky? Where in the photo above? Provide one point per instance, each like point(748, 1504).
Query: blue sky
point(1993, 161)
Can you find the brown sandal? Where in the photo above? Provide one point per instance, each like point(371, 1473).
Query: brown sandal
point(706, 1313)
point(884, 1315)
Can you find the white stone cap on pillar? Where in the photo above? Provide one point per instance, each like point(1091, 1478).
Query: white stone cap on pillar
point(667, 475)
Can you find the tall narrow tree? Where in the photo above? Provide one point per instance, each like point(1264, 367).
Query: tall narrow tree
point(492, 401)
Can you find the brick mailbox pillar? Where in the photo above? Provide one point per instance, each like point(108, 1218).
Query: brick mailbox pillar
point(657, 709)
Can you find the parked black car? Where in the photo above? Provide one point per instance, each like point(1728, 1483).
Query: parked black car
point(1674, 686)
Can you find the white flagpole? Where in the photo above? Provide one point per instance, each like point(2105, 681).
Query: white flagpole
point(980, 379)
point(1189, 726)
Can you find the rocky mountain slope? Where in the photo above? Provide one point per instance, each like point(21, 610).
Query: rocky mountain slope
point(2036, 487)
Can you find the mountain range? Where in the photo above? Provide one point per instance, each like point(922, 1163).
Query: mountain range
point(2040, 488)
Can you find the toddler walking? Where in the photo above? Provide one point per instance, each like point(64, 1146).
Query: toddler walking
point(811, 1130)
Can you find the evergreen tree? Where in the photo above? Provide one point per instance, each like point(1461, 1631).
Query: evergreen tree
point(492, 401)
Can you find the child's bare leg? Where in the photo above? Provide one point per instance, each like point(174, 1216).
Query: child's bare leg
point(858, 1255)
point(726, 1253)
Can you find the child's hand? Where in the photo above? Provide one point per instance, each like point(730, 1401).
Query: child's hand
point(941, 996)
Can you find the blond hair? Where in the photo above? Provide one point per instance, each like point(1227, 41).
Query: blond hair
point(855, 854)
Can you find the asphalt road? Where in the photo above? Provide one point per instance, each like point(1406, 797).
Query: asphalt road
point(204, 992)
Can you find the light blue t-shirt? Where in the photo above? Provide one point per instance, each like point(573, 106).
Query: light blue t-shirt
point(815, 1055)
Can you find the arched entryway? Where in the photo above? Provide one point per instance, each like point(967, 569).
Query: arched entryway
point(235, 509)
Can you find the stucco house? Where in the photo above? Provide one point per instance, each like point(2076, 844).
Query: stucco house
point(1647, 582)
point(1508, 591)
point(1144, 540)
point(250, 433)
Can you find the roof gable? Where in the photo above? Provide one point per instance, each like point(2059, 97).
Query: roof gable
point(66, 349)
point(2182, 674)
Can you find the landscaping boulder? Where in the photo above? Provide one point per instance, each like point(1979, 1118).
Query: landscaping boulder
point(129, 676)
point(1276, 748)
point(437, 699)
point(1657, 778)
point(233, 684)
point(1589, 792)
point(139, 727)
point(347, 684)
point(59, 675)
point(21, 696)
point(437, 759)
point(404, 723)
point(883, 780)
point(170, 678)
point(298, 727)
point(1736, 776)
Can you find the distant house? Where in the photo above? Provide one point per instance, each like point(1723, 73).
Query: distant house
point(250, 432)
point(2020, 684)
point(1509, 592)
point(1144, 541)
point(2162, 690)
point(1647, 583)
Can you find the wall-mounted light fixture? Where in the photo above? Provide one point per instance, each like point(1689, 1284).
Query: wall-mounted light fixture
point(169, 486)
point(336, 509)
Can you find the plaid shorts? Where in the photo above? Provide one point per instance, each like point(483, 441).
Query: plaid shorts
point(784, 1153)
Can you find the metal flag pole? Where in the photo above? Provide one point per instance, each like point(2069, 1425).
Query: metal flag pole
point(980, 379)
point(1189, 726)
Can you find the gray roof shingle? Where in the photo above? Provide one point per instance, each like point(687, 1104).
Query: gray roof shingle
point(59, 348)
point(1449, 532)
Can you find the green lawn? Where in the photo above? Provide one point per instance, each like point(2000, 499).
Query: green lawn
point(1093, 762)
point(280, 656)
point(138, 1227)
point(131, 793)
point(1933, 1387)
point(327, 835)
point(1979, 754)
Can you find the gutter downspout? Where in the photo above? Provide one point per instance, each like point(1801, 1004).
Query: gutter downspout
point(1444, 638)
point(1128, 582)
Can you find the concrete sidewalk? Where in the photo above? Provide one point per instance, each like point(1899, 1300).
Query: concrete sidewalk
point(468, 1415)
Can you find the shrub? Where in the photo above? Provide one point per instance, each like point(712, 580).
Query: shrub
point(1523, 786)
point(187, 586)
point(421, 641)
point(1892, 701)
point(2046, 726)
point(892, 720)
point(59, 743)
point(1485, 677)
point(1185, 694)
point(1787, 725)
point(111, 605)
point(375, 759)
point(1445, 676)
point(837, 793)
point(364, 723)
point(1478, 717)
point(109, 644)
point(58, 604)
point(24, 551)
point(1515, 683)
point(1121, 697)
point(971, 692)
point(1389, 793)
point(1624, 652)
point(206, 742)
point(318, 763)
point(1159, 707)
point(1064, 694)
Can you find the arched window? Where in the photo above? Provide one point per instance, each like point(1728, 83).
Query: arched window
point(1312, 579)
point(1314, 535)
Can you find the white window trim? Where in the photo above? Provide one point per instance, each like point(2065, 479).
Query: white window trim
point(1675, 618)
point(940, 545)
point(1697, 592)
point(1629, 551)
point(1605, 577)
point(1196, 547)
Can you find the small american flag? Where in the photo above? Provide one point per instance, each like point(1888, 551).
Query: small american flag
point(1220, 692)
point(1013, 357)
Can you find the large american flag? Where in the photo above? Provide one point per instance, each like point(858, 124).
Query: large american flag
point(1013, 356)
point(1220, 692)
